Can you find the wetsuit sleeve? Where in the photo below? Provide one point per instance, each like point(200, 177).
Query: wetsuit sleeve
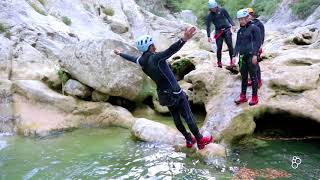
point(262, 31)
point(170, 51)
point(256, 39)
point(208, 24)
point(226, 14)
point(129, 57)
point(236, 49)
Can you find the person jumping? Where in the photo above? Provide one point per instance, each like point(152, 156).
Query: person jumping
point(248, 45)
point(169, 92)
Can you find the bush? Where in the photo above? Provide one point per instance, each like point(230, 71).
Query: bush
point(5, 30)
point(108, 11)
point(232, 6)
point(304, 8)
point(200, 7)
point(43, 2)
point(66, 20)
point(266, 7)
point(37, 9)
point(63, 76)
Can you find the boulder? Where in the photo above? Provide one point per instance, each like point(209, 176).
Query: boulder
point(151, 131)
point(42, 111)
point(118, 27)
point(306, 36)
point(29, 63)
point(147, 130)
point(93, 63)
point(213, 150)
point(99, 97)
point(158, 107)
point(77, 89)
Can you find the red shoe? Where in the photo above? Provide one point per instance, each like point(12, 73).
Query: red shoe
point(249, 82)
point(242, 99)
point(219, 64)
point(204, 141)
point(189, 143)
point(232, 63)
point(254, 100)
point(259, 84)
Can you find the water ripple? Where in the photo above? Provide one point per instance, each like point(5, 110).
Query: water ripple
point(3, 144)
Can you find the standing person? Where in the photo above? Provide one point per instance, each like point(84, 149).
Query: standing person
point(258, 23)
point(169, 92)
point(248, 45)
point(223, 24)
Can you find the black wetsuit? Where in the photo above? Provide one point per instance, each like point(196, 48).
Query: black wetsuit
point(169, 92)
point(248, 45)
point(222, 22)
point(258, 23)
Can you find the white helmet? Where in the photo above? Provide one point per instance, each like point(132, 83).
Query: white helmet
point(242, 13)
point(212, 4)
point(143, 42)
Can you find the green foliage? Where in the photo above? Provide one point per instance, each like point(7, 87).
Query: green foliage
point(38, 9)
point(266, 7)
point(108, 11)
point(232, 6)
point(63, 76)
point(66, 20)
point(304, 8)
point(182, 67)
point(7, 34)
point(5, 30)
point(200, 7)
point(43, 2)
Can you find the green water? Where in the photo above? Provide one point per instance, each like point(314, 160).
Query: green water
point(95, 154)
point(279, 155)
point(113, 154)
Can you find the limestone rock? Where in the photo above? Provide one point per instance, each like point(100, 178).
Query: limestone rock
point(7, 117)
point(213, 150)
point(99, 97)
point(188, 17)
point(42, 111)
point(5, 57)
point(151, 131)
point(306, 36)
point(158, 107)
point(118, 27)
point(75, 88)
point(93, 63)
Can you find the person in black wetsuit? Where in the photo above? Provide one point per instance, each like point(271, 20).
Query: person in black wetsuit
point(248, 45)
point(169, 92)
point(223, 24)
point(258, 23)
